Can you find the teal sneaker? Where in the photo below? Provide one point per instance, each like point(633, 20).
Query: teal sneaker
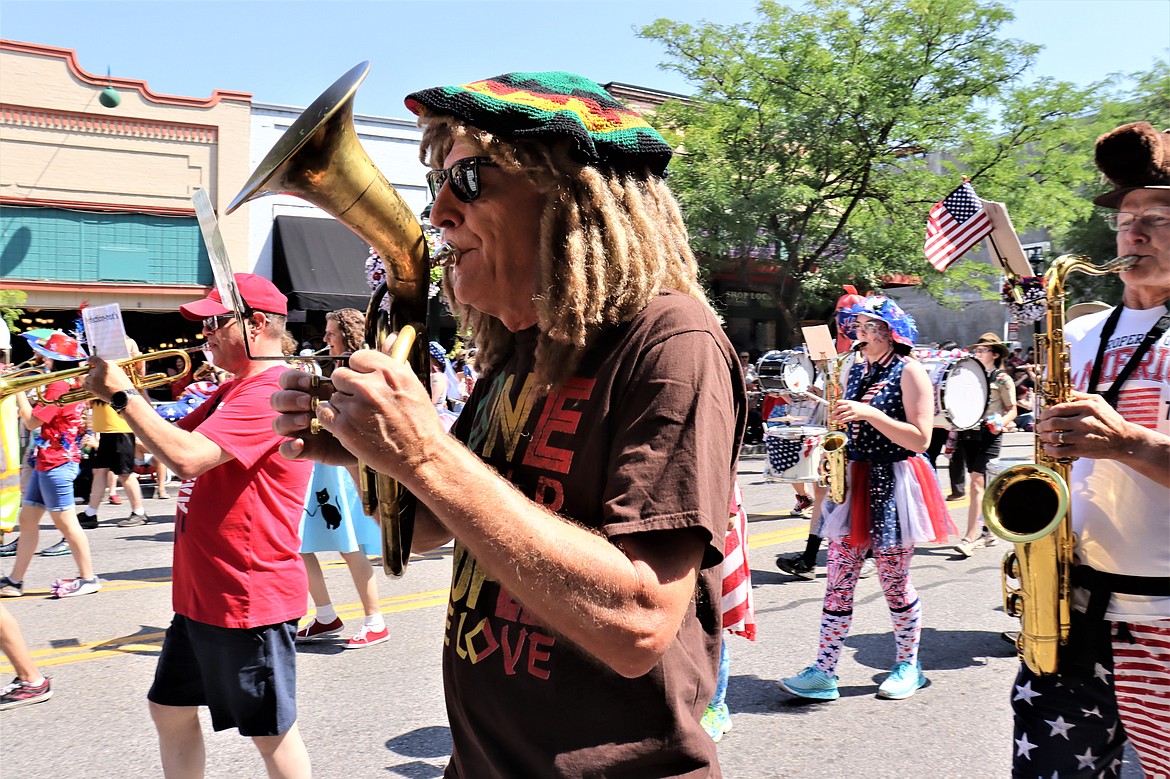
point(812, 683)
point(716, 721)
point(903, 681)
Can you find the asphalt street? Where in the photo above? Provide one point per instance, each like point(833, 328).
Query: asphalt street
point(378, 711)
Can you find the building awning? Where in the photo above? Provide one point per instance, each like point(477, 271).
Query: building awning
point(319, 264)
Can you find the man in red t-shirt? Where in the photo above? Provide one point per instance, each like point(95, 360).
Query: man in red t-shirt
point(239, 583)
point(57, 460)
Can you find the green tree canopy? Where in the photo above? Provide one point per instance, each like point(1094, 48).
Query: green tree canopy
point(821, 136)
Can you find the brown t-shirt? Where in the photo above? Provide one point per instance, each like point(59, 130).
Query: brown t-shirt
point(643, 439)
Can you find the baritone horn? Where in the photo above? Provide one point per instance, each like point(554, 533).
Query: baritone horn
point(11, 385)
point(319, 159)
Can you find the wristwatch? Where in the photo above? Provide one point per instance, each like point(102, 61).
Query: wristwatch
point(119, 399)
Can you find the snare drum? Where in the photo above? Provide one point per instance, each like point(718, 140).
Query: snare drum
point(961, 391)
point(787, 371)
point(794, 453)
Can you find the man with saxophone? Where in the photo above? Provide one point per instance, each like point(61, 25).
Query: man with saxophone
point(239, 583)
point(587, 480)
point(1118, 425)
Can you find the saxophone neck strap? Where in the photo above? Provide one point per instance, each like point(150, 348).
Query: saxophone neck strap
point(1110, 395)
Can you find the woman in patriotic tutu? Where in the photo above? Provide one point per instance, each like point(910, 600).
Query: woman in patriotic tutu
point(891, 503)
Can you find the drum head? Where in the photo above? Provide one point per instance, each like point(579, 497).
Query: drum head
point(797, 372)
point(964, 393)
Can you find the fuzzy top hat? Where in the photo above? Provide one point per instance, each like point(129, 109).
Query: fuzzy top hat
point(1134, 156)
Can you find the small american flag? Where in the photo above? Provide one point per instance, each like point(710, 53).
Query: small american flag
point(954, 226)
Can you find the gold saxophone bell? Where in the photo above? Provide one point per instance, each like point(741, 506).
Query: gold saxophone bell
point(319, 159)
point(1028, 504)
point(11, 385)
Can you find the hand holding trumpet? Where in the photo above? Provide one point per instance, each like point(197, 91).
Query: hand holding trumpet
point(105, 378)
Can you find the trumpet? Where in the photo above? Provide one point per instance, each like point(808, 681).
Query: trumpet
point(10, 385)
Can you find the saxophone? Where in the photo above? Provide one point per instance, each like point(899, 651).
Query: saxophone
point(1028, 504)
point(833, 466)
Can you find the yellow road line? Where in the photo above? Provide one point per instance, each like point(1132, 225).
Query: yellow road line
point(140, 643)
point(151, 643)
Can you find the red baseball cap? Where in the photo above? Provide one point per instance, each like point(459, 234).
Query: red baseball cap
point(259, 294)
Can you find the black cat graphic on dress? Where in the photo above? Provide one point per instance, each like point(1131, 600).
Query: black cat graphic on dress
point(329, 511)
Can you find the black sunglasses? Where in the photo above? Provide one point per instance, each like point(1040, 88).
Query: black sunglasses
point(213, 323)
point(463, 175)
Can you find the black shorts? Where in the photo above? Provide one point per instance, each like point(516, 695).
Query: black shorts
point(116, 452)
point(980, 446)
point(246, 677)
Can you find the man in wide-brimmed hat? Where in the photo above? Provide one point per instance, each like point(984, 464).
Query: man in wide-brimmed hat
point(1117, 425)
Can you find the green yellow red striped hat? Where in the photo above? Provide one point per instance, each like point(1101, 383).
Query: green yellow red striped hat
point(551, 105)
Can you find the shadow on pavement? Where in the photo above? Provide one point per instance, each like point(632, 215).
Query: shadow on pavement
point(162, 573)
point(429, 743)
point(943, 650)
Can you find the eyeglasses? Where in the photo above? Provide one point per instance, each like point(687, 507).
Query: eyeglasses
point(213, 323)
point(981, 349)
point(463, 175)
point(872, 327)
point(1152, 219)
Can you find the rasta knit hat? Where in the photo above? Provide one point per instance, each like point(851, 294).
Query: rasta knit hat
point(549, 106)
point(1133, 156)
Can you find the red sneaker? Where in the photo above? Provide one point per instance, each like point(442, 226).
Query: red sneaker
point(317, 629)
point(367, 637)
point(116, 500)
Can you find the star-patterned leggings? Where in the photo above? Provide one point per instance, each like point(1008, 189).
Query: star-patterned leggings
point(844, 566)
point(1065, 729)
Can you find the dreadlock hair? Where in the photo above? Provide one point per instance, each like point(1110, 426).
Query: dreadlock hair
point(609, 242)
point(352, 324)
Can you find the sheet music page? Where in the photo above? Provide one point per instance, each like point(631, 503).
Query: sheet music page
point(819, 342)
point(105, 333)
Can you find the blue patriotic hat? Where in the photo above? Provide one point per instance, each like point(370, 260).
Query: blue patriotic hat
point(438, 353)
point(903, 328)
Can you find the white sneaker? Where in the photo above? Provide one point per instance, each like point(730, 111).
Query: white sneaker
point(964, 548)
point(868, 568)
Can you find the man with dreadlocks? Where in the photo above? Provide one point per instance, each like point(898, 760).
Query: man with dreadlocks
point(586, 482)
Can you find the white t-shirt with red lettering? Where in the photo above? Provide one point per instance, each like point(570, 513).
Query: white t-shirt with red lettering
point(1122, 518)
point(237, 552)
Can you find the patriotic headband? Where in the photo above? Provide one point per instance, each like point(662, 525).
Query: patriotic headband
point(552, 105)
point(903, 329)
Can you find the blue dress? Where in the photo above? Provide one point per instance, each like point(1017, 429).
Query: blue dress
point(333, 520)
